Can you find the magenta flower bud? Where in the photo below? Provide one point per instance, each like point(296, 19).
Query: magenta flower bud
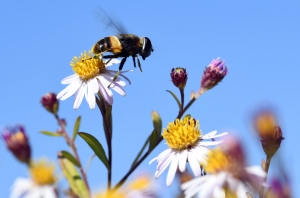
point(179, 77)
point(50, 102)
point(213, 74)
point(17, 142)
point(233, 148)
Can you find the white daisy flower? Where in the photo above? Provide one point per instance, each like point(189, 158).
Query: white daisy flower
point(91, 76)
point(225, 178)
point(186, 144)
point(41, 183)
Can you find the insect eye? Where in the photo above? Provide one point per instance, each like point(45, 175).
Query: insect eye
point(146, 47)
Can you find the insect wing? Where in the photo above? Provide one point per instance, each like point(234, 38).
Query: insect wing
point(108, 22)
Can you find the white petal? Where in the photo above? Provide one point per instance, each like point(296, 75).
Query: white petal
point(105, 92)
point(48, 192)
point(182, 160)
point(79, 96)
point(118, 89)
point(68, 91)
point(70, 79)
point(199, 155)
point(163, 155)
point(121, 74)
point(172, 170)
point(214, 136)
point(90, 96)
point(195, 166)
point(112, 62)
point(256, 170)
point(20, 187)
point(152, 160)
point(109, 77)
point(209, 135)
point(213, 143)
point(164, 164)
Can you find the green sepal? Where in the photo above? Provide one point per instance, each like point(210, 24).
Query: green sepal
point(49, 133)
point(72, 175)
point(96, 147)
point(71, 158)
point(157, 123)
point(76, 128)
point(175, 97)
point(153, 140)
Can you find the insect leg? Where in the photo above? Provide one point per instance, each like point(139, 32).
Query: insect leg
point(120, 68)
point(133, 58)
point(139, 63)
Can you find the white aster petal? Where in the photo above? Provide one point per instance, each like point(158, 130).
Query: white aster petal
point(112, 62)
point(164, 164)
point(213, 143)
point(70, 79)
point(182, 160)
point(69, 90)
point(105, 92)
point(118, 89)
point(172, 170)
point(195, 166)
point(79, 96)
point(163, 155)
point(20, 187)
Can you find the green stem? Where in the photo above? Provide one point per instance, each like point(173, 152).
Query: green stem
point(122, 181)
point(266, 169)
point(74, 150)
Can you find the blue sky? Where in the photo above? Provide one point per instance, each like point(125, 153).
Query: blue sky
point(259, 41)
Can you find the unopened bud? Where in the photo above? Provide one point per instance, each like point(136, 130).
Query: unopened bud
point(213, 74)
point(17, 142)
point(50, 102)
point(179, 77)
point(269, 132)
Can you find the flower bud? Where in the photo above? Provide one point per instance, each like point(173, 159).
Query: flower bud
point(17, 142)
point(50, 102)
point(179, 77)
point(213, 74)
point(234, 149)
point(269, 132)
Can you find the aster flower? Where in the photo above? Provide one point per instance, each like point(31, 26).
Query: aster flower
point(225, 178)
point(91, 76)
point(17, 142)
point(41, 183)
point(179, 77)
point(185, 142)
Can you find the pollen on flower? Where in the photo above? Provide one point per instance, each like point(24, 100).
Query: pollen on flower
point(182, 134)
point(140, 183)
point(42, 172)
point(87, 66)
point(110, 194)
point(217, 161)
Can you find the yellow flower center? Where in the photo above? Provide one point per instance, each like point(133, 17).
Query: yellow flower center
point(229, 193)
point(42, 173)
point(110, 194)
point(182, 134)
point(140, 183)
point(87, 66)
point(217, 161)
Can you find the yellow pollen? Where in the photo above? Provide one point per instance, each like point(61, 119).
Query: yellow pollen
point(140, 183)
point(42, 172)
point(217, 161)
point(110, 194)
point(182, 134)
point(229, 193)
point(87, 66)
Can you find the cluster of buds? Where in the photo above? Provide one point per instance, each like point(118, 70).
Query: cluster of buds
point(17, 142)
point(179, 77)
point(50, 102)
point(269, 132)
point(213, 74)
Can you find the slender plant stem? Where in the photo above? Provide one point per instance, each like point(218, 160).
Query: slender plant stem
point(74, 150)
point(180, 114)
point(266, 169)
point(182, 100)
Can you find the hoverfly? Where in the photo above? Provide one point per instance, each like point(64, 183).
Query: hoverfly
point(121, 45)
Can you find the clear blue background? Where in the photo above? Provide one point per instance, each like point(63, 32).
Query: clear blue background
point(259, 41)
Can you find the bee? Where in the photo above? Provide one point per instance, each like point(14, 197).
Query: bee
point(121, 45)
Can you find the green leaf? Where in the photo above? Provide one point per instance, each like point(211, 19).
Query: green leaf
point(140, 153)
point(49, 133)
point(175, 97)
point(70, 157)
point(157, 123)
point(96, 147)
point(153, 140)
point(74, 179)
point(76, 128)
